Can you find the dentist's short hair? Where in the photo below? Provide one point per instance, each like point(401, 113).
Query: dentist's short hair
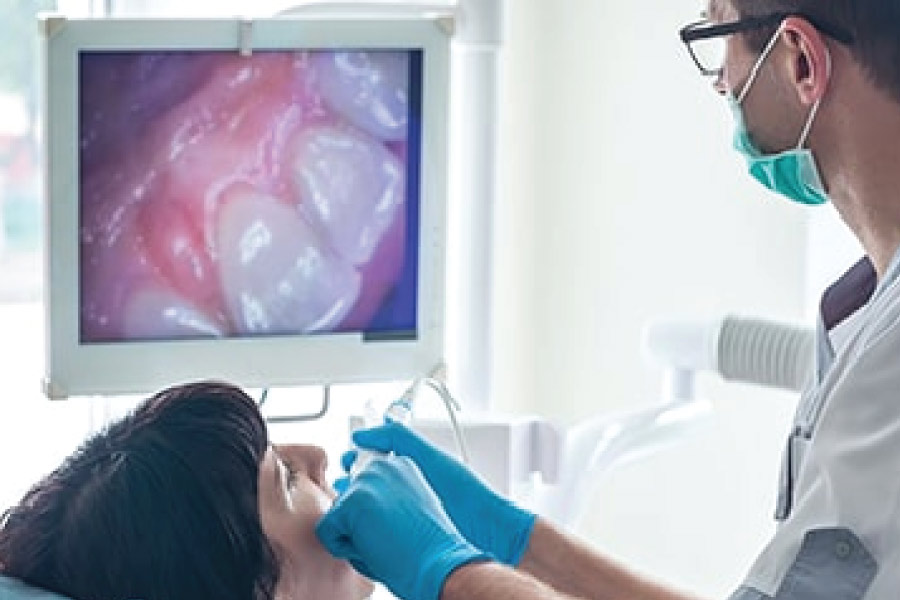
point(161, 505)
point(873, 25)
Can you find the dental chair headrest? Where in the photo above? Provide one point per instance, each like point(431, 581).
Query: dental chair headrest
point(13, 589)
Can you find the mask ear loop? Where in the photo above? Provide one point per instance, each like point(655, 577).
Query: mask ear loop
point(815, 108)
point(758, 65)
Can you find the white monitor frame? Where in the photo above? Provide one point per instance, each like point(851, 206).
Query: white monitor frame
point(76, 369)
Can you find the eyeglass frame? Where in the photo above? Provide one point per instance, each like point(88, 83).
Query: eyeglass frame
point(702, 30)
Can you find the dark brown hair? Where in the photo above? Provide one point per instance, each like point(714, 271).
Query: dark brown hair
point(874, 26)
point(161, 505)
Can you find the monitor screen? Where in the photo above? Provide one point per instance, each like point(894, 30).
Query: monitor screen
point(273, 194)
point(272, 216)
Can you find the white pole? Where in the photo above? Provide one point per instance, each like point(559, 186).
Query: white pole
point(475, 81)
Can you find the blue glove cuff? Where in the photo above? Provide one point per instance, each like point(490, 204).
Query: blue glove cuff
point(510, 530)
point(523, 525)
point(433, 577)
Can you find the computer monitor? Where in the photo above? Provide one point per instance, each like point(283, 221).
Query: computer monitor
point(257, 201)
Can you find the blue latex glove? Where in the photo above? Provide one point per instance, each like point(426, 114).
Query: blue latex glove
point(492, 523)
point(390, 526)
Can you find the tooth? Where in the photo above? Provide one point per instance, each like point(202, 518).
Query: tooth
point(350, 184)
point(370, 89)
point(277, 276)
point(160, 313)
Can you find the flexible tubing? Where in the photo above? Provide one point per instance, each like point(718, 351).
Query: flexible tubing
point(765, 353)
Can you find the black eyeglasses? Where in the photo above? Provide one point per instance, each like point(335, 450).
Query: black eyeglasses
point(706, 41)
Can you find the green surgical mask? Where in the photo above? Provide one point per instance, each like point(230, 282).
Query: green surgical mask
point(792, 173)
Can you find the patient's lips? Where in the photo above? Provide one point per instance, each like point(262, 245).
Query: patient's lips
point(255, 204)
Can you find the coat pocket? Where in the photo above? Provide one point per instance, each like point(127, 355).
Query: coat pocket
point(748, 593)
point(832, 563)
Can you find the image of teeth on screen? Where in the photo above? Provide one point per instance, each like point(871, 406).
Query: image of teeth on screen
point(226, 196)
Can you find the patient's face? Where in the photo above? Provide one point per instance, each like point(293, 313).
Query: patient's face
point(293, 496)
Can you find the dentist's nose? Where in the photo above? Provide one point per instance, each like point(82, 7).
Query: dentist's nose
point(719, 83)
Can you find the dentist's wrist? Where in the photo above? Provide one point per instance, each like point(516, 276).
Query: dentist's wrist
point(516, 525)
point(443, 564)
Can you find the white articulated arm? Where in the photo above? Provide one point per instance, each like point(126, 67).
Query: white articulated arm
point(755, 351)
point(739, 349)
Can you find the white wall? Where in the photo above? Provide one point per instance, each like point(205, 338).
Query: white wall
point(622, 201)
point(831, 248)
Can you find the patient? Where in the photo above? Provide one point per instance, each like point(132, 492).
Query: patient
point(184, 499)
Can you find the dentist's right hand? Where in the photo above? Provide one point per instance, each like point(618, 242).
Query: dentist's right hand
point(391, 527)
point(492, 523)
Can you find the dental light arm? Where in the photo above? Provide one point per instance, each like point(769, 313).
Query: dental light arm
point(738, 349)
point(322, 8)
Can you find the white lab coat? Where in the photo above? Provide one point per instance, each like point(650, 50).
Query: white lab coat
point(839, 497)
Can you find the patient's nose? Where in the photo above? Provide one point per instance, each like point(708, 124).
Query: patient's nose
point(307, 458)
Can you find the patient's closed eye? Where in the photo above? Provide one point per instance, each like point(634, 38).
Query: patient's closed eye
point(291, 478)
point(289, 473)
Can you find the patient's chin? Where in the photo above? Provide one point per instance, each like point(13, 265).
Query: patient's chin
point(353, 585)
point(335, 581)
point(365, 586)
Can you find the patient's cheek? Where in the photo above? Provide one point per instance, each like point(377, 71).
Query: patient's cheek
point(315, 503)
point(265, 195)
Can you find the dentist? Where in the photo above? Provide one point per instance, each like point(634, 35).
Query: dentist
point(815, 89)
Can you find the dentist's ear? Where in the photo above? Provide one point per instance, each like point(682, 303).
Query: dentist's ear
point(809, 59)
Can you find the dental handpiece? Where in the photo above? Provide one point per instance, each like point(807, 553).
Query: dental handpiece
point(399, 411)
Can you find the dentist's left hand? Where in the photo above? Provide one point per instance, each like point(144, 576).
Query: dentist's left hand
point(391, 527)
